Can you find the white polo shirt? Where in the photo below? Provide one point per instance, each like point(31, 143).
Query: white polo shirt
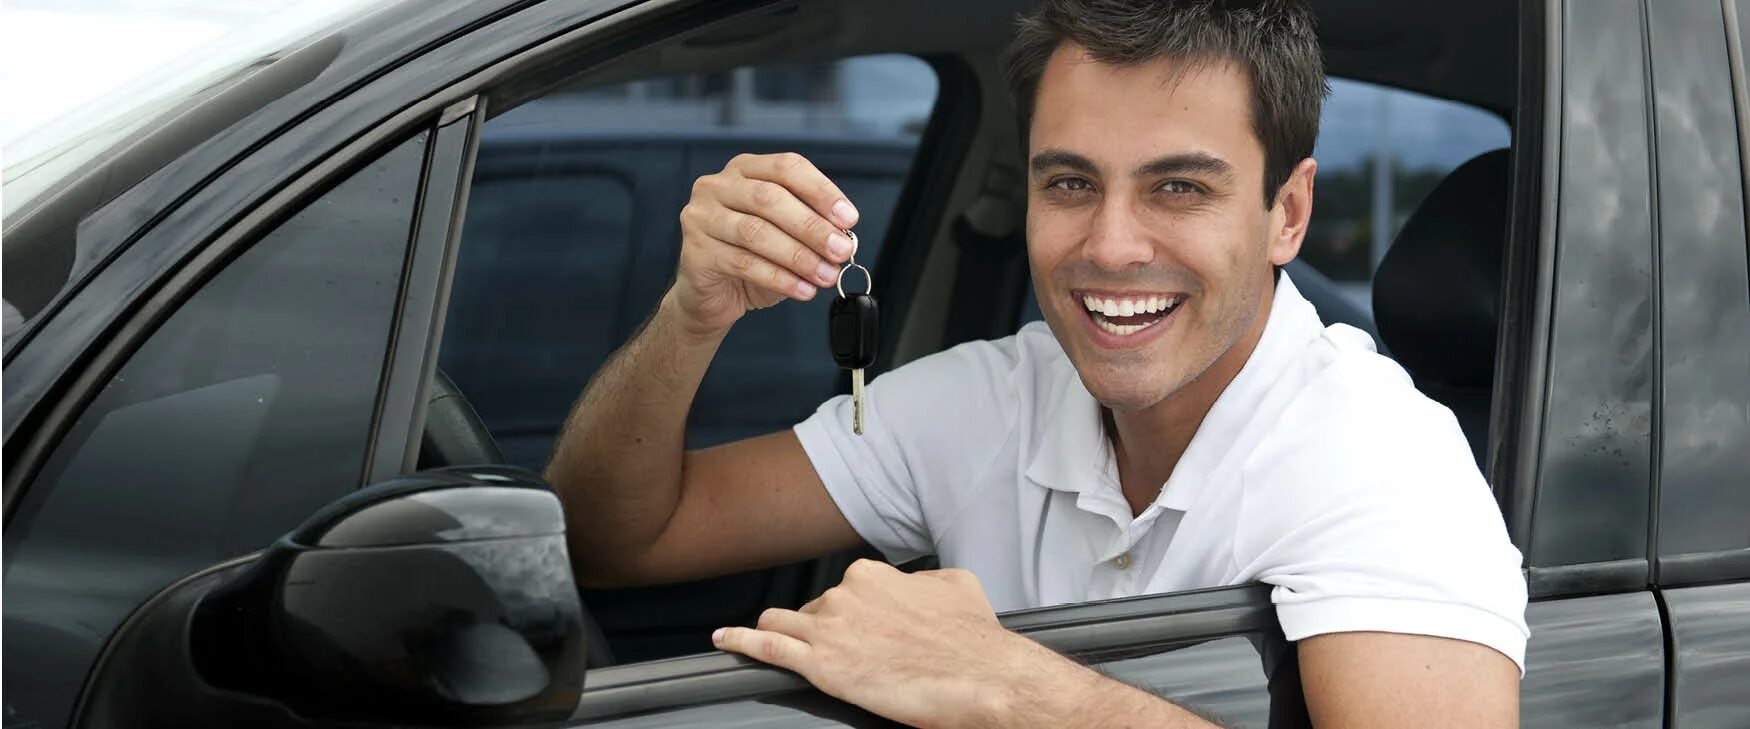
point(1320, 470)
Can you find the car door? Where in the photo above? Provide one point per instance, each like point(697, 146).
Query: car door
point(252, 403)
point(1702, 492)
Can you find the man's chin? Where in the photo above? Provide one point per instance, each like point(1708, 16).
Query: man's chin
point(1126, 394)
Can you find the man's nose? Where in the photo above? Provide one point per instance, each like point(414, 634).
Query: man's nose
point(1118, 239)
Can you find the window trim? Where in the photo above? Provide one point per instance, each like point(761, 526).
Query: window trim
point(423, 303)
point(1528, 286)
point(1081, 630)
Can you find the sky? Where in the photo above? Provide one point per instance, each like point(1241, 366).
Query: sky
point(58, 54)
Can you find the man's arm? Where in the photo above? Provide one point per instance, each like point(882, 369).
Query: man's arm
point(1394, 679)
point(638, 509)
point(1349, 680)
point(925, 649)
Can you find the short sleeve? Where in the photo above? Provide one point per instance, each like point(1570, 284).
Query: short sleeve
point(930, 428)
point(1397, 533)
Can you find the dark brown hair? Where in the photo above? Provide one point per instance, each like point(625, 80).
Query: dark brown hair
point(1273, 41)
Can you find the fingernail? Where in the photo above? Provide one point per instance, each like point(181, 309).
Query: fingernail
point(838, 246)
point(826, 273)
point(717, 636)
point(844, 213)
point(804, 291)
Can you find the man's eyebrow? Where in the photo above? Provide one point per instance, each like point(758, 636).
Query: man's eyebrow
point(1057, 158)
point(1186, 162)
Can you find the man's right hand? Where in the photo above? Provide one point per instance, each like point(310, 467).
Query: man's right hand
point(766, 228)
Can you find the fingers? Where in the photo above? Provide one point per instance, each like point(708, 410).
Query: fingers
point(772, 201)
point(766, 227)
point(788, 622)
point(802, 178)
point(750, 267)
point(766, 240)
point(870, 569)
point(765, 646)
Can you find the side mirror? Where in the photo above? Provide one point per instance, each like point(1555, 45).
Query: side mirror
point(441, 598)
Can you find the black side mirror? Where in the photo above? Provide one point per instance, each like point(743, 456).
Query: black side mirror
point(442, 598)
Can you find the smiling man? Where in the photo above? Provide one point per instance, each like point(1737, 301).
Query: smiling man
point(1181, 420)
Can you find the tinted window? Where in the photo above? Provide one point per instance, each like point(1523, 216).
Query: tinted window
point(1704, 480)
point(563, 233)
point(1595, 453)
point(572, 235)
point(249, 408)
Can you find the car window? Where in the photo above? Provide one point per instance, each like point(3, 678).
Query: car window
point(1704, 373)
point(248, 409)
point(1380, 152)
point(572, 235)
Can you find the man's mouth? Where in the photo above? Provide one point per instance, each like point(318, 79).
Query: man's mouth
point(1123, 315)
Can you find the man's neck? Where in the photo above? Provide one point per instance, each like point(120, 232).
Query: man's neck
point(1148, 443)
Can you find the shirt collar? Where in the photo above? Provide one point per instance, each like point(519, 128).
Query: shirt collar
point(1074, 454)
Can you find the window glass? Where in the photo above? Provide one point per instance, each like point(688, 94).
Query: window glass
point(1380, 152)
point(572, 235)
point(1704, 339)
point(248, 409)
point(566, 234)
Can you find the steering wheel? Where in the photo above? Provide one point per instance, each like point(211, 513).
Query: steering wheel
point(456, 436)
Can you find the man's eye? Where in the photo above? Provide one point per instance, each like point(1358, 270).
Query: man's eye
point(1068, 184)
point(1180, 187)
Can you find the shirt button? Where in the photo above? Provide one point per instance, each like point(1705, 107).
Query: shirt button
point(1121, 561)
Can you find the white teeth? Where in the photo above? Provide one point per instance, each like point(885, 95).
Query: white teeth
point(1122, 330)
point(1130, 307)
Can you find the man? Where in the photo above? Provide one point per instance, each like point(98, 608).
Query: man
point(1184, 421)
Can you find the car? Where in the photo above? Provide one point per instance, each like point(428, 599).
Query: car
point(278, 342)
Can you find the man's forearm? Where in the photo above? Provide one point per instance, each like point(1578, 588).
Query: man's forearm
point(617, 462)
point(1053, 691)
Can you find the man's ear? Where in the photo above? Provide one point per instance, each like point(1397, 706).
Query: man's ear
point(1292, 212)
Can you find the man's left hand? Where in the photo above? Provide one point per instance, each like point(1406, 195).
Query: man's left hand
point(924, 649)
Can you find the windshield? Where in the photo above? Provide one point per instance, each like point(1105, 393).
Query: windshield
point(82, 75)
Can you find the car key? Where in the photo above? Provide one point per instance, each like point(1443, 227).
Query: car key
point(853, 320)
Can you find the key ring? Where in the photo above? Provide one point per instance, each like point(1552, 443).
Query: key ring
point(868, 279)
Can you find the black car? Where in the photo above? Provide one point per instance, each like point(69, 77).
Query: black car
point(274, 355)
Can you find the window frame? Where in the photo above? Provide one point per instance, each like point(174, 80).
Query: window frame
point(1539, 274)
point(425, 292)
point(1096, 632)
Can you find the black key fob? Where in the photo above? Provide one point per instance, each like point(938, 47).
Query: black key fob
point(853, 322)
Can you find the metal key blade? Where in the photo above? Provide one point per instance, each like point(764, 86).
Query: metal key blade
point(857, 401)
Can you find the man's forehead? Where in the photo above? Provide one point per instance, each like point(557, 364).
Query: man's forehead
point(1171, 105)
